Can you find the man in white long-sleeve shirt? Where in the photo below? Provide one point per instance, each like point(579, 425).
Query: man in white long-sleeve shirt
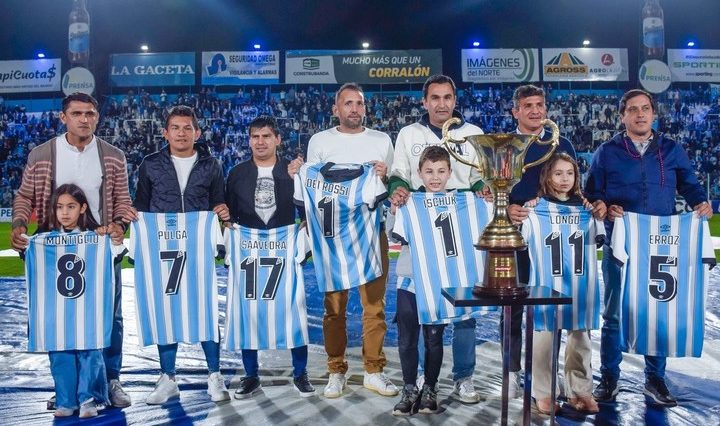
point(439, 98)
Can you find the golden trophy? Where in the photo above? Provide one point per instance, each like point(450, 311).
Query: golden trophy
point(501, 163)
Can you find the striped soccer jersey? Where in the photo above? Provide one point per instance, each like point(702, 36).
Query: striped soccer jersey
point(266, 291)
point(175, 283)
point(562, 246)
point(343, 222)
point(664, 282)
point(70, 291)
point(440, 229)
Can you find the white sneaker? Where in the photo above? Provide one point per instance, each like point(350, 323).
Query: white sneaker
point(64, 412)
point(335, 386)
point(216, 388)
point(165, 389)
point(420, 381)
point(88, 409)
point(379, 383)
point(118, 397)
point(514, 390)
point(464, 391)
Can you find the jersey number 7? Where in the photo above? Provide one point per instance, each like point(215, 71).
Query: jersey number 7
point(177, 257)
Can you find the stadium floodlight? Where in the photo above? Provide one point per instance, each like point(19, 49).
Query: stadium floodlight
point(256, 46)
point(365, 45)
point(40, 55)
point(586, 42)
point(144, 47)
point(476, 44)
point(691, 44)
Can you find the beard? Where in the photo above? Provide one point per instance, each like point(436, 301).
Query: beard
point(352, 123)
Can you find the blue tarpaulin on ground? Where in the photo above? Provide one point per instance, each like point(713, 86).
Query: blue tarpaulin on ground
point(25, 380)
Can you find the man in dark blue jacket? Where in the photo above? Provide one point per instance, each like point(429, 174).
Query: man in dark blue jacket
point(529, 110)
point(637, 170)
point(182, 177)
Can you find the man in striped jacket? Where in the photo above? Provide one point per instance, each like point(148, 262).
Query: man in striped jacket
point(100, 169)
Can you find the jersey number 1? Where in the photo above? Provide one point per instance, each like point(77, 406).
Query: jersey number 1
point(444, 222)
point(326, 205)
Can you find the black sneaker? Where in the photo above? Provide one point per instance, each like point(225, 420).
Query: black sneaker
point(51, 403)
point(249, 386)
point(428, 400)
point(409, 400)
point(302, 383)
point(656, 389)
point(606, 391)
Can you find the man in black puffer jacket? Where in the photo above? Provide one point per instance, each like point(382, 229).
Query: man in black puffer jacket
point(182, 177)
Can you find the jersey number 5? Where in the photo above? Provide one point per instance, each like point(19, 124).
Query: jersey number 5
point(666, 290)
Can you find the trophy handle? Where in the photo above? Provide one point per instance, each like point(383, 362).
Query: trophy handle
point(446, 139)
point(554, 141)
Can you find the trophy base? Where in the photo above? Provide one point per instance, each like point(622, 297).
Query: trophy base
point(501, 292)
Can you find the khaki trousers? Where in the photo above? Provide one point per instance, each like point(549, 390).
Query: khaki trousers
point(372, 298)
point(578, 370)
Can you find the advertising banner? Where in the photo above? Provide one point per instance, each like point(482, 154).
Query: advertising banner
point(361, 66)
point(236, 68)
point(701, 65)
point(152, 69)
point(585, 64)
point(500, 65)
point(37, 75)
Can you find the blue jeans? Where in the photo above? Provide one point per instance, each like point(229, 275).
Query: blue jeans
point(113, 353)
point(79, 375)
point(299, 361)
point(463, 349)
point(168, 354)
point(610, 353)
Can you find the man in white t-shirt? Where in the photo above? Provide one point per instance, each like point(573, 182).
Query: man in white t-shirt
point(259, 193)
point(351, 142)
point(182, 177)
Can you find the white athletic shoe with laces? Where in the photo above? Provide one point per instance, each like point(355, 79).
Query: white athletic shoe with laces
point(335, 386)
point(216, 388)
point(379, 383)
point(464, 391)
point(165, 389)
point(88, 409)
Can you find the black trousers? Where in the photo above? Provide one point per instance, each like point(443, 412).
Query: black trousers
point(408, 335)
point(516, 312)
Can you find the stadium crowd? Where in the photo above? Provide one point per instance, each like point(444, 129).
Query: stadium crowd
point(133, 122)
